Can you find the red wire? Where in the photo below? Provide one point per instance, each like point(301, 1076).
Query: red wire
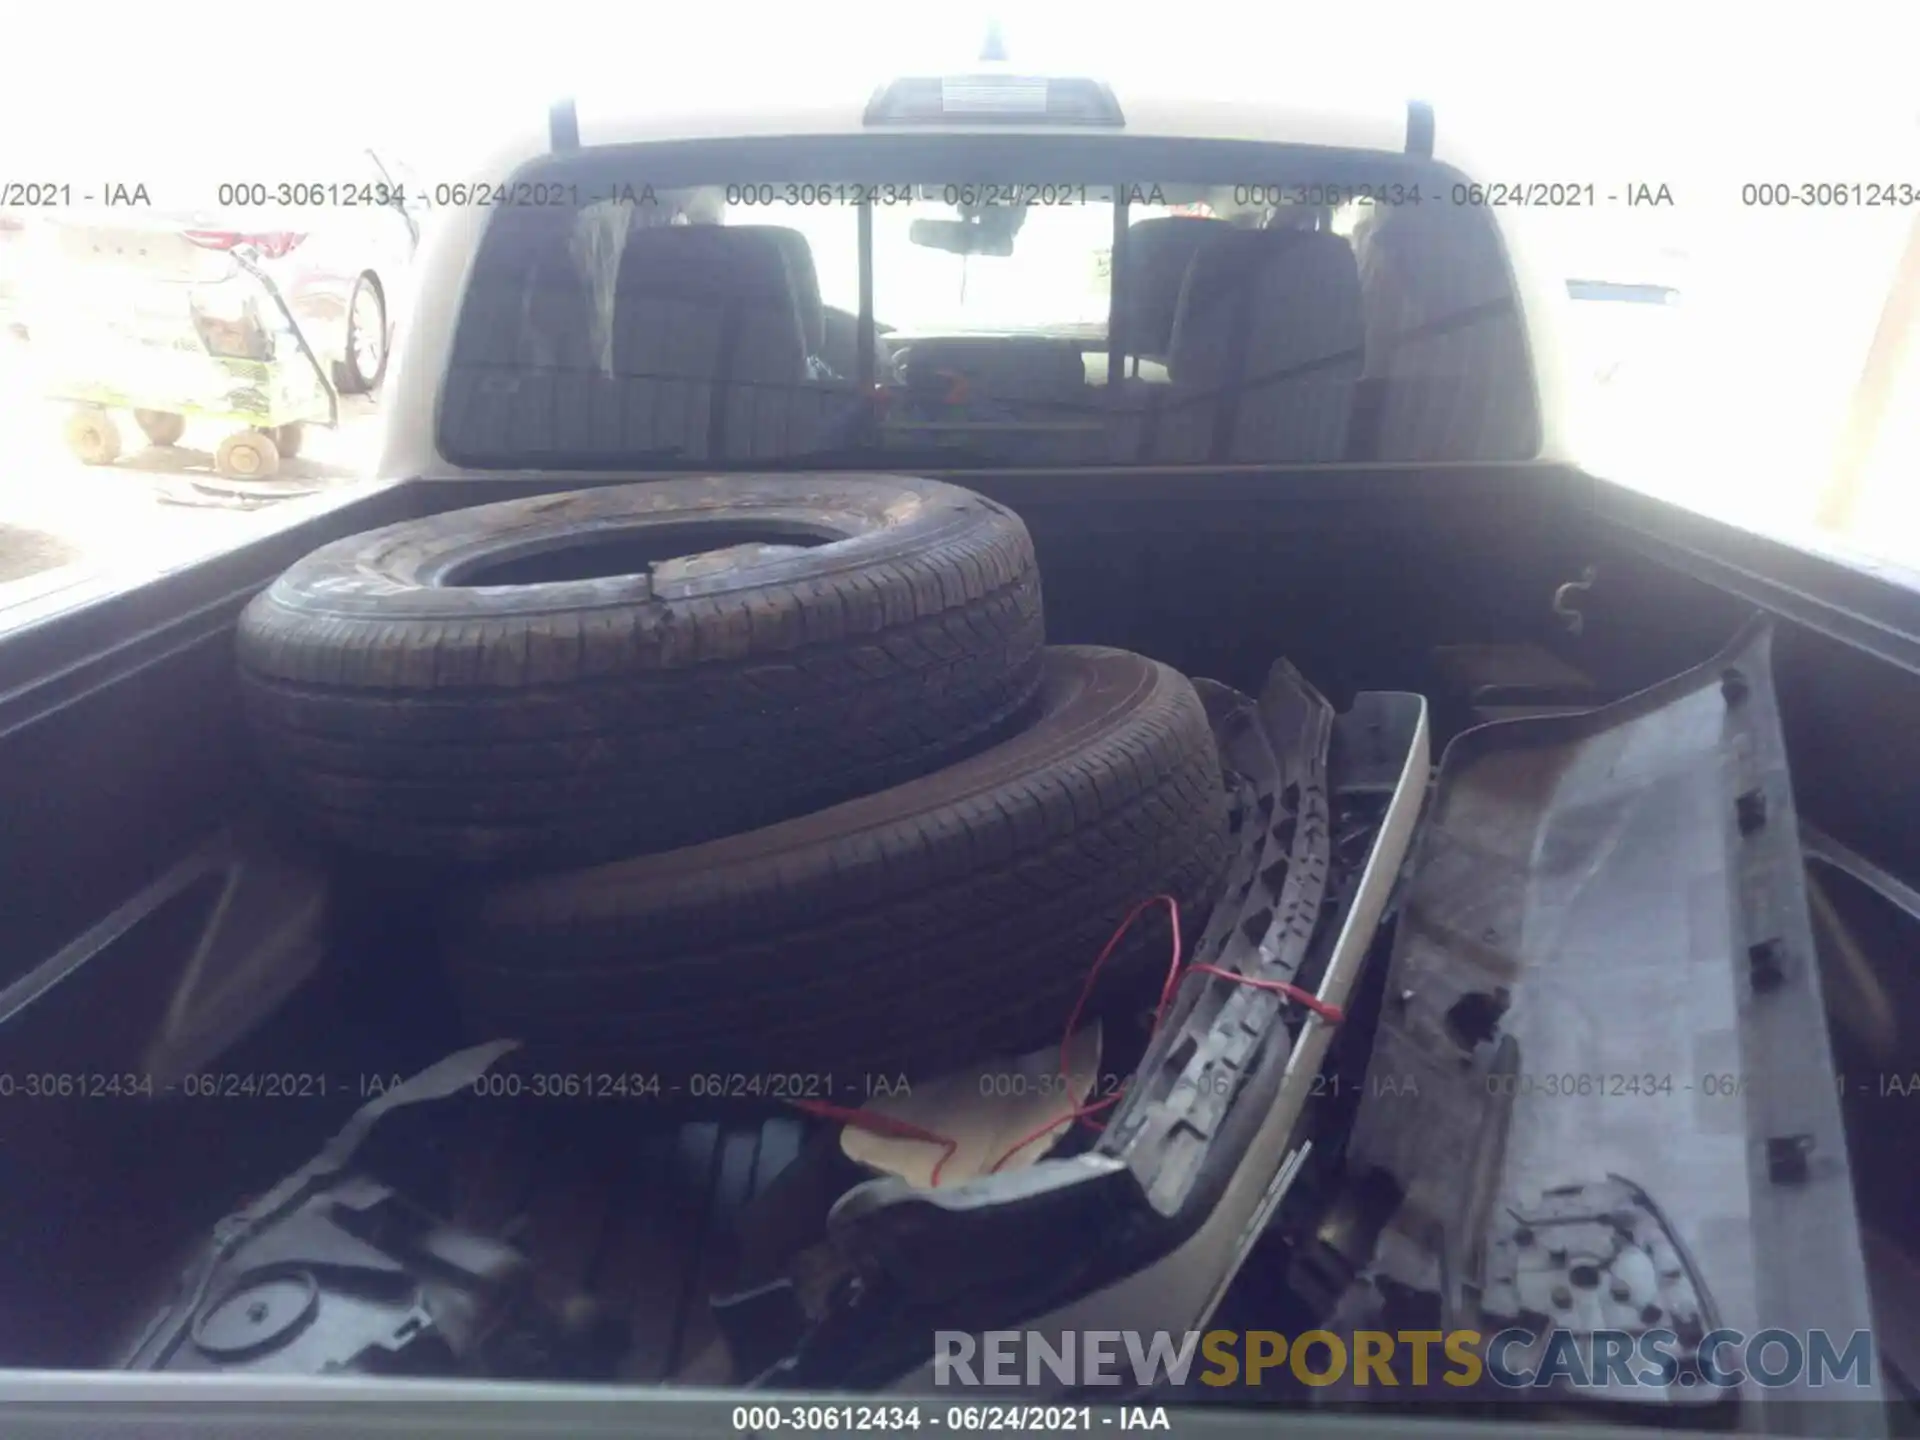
point(1082, 1113)
point(1327, 1011)
point(900, 1129)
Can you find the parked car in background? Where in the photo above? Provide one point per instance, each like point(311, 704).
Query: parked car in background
point(335, 236)
point(252, 295)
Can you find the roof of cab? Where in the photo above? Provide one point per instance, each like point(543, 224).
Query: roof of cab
point(1347, 125)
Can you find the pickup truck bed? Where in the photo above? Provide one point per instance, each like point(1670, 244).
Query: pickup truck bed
point(122, 768)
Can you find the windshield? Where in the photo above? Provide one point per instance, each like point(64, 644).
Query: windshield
point(1230, 306)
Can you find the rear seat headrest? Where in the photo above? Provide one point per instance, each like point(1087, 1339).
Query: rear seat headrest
point(692, 261)
point(806, 281)
point(720, 269)
point(1260, 279)
point(1159, 252)
point(1443, 260)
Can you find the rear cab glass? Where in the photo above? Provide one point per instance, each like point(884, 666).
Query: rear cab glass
point(1029, 302)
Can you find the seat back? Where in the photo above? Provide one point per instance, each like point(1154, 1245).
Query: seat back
point(1158, 255)
point(1448, 371)
point(1267, 346)
point(709, 347)
point(805, 276)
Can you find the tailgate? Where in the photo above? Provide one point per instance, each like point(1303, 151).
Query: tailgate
point(1603, 1085)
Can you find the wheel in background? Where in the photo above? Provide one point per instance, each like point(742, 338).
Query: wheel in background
point(366, 359)
point(249, 455)
point(161, 427)
point(93, 436)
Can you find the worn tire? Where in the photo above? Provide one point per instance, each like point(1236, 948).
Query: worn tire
point(577, 720)
point(906, 932)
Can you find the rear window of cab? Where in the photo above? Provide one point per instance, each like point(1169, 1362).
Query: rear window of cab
point(1083, 301)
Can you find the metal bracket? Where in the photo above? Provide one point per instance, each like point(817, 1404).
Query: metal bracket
point(1564, 597)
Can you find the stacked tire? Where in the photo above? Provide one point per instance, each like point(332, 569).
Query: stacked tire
point(738, 775)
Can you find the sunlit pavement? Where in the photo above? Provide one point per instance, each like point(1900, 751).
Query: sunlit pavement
point(152, 508)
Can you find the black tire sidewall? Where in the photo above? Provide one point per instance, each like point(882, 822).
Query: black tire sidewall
point(922, 927)
point(390, 575)
point(564, 723)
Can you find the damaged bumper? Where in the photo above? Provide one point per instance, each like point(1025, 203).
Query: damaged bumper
point(341, 1268)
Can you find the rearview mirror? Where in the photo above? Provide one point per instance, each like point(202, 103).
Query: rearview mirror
point(961, 237)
